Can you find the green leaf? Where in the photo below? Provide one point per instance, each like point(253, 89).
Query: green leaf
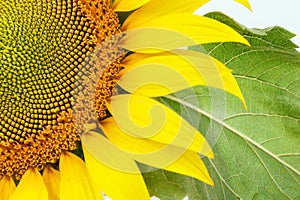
point(257, 151)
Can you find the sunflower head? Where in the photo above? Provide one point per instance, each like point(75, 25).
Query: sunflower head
point(61, 63)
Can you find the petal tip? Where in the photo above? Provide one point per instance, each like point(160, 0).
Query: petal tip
point(211, 155)
point(245, 3)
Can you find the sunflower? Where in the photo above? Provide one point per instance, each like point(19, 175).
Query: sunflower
point(78, 87)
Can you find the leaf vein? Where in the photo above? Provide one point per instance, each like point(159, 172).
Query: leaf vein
point(233, 130)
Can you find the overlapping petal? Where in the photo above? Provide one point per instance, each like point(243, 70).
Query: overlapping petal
point(160, 74)
point(146, 118)
point(31, 186)
point(111, 168)
point(156, 154)
point(7, 187)
point(52, 181)
point(190, 164)
point(125, 5)
point(76, 182)
point(153, 40)
point(126, 142)
point(104, 151)
point(200, 28)
point(172, 27)
point(144, 145)
point(157, 8)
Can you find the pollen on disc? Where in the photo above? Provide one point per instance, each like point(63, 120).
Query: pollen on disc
point(44, 44)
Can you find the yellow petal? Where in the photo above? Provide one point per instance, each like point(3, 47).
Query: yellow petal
point(76, 182)
point(180, 29)
point(190, 164)
point(31, 187)
point(143, 146)
point(105, 152)
point(146, 118)
point(155, 75)
point(153, 40)
point(128, 143)
point(52, 181)
point(7, 186)
point(158, 8)
point(152, 153)
point(115, 183)
point(245, 3)
point(143, 150)
point(125, 5)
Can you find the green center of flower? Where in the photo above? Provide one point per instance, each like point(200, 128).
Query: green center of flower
point(45, 46)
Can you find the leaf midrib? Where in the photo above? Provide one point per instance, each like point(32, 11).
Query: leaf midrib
point(247, 114)
point(266, 83)
point(233, 130)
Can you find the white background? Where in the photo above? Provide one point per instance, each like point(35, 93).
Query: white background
point(266, 13)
